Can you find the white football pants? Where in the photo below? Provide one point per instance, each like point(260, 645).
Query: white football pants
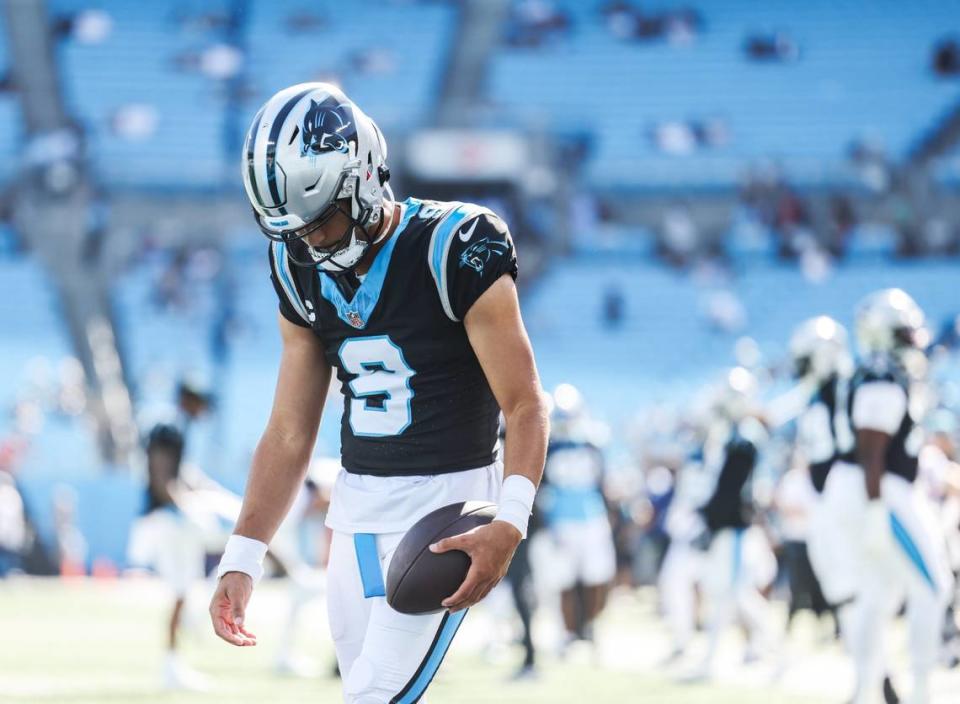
point(914, 565)
point(384, 656)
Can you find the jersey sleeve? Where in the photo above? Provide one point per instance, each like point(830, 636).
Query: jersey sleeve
point(471, 248)
point(879, 405)
point(292, 306)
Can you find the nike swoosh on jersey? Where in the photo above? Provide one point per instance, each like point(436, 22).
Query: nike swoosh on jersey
point(466, 235)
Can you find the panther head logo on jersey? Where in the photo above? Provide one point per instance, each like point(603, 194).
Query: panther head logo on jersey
point(327, 127)
point(479, 253)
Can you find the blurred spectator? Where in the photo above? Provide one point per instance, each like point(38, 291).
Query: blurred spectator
point(939, 236)
point(221, 61)
point(305, 22)
point(674, 137)
point(135, 122)
point(71, 545)
point(628, 22)
point(372, 62)
point(711, 132)
point(843, 220)
point(613, 306)
point(946, 58)
point(683, 137)
point(202, 21)
point(791, 223)
point(92, 26)
point(725, 311)
point(533, 23)
point(679, 238)
point(774, 47)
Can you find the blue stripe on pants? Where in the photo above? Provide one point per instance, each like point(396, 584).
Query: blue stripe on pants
point(368, 560)
point(438, 649)
point(910, 547)
point(737, 553)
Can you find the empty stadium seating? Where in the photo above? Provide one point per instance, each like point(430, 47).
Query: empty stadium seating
point(860, 65)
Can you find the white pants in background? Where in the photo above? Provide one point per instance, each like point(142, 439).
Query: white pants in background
point(915, 566)
point(738, 565)
point(833, 542)
point(585, 553)
point(681, 570)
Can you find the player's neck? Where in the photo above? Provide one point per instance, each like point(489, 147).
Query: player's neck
point(391, 218)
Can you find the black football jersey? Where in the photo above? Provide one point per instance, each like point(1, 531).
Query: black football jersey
point(904, 447)
point(824, 431)
point(415, 398)
point(731, 504)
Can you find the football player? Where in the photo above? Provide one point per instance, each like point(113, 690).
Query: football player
point(823, 366)
point(168, 539)
point(414, 305)
point(575, 514)
point(901, 548)
point(739, 562)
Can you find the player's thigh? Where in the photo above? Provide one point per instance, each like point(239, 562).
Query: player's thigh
point(722, 562)
point(598, 559)
point(920, 545)
point(401, 652)
point(348, 611)
point(562, 556)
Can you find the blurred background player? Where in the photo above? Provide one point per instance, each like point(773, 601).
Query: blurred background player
point(13, 525)
point(902, 550)
point(305, 581)
point(680, 575)
point(575, 515)
point(822, 366)
point(169, 541)
point(739, 562)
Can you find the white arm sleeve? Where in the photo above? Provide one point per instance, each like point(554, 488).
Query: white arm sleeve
point(879, 405)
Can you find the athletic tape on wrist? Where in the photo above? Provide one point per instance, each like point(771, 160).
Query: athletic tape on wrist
point(516, 502)
point(243, 555)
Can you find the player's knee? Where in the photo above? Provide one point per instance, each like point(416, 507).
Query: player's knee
point(358, 687)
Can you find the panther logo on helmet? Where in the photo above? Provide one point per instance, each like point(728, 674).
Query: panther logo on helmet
point(327, 127)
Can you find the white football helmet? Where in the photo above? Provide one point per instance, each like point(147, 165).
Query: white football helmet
point(819, 349)
point(567, 412)
point(309, 152)
point(736, 396)
point(889, 322)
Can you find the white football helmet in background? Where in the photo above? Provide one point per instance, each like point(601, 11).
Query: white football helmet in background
point(819, 349)
point(308, 150)
point(889, 322)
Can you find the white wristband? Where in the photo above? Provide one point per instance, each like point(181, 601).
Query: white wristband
point(243, 555)
point(516, 502)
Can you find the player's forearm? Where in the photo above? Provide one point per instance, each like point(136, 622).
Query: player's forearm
point(278, 469)
point(527, 428)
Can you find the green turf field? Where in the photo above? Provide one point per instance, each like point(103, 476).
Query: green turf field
point(102, 642)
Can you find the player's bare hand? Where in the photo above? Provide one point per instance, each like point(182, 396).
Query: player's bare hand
point(228, 606)
point(490, 548)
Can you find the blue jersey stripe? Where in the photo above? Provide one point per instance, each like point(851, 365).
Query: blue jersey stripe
point(440, 245)
point(366, 297)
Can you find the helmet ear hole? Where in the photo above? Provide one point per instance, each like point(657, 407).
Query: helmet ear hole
point(383, 172)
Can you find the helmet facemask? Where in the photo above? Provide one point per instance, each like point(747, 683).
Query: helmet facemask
point(323, 158)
